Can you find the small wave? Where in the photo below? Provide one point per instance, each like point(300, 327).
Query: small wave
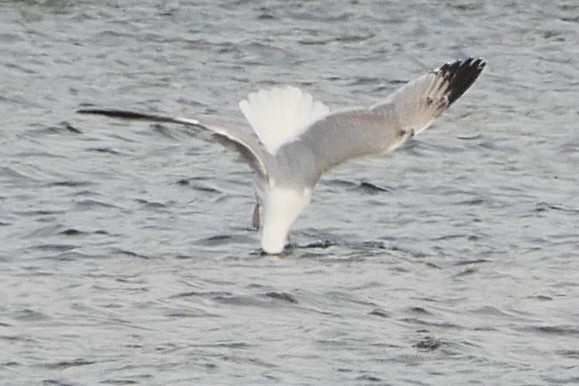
point(67, 364)
point(555, 330)
point(55, 247)
point(72, 232)
point(125, 252)
point(69, 184)
point(89, 204)
point(284, 296)
point(428, 343)
point(106, 150)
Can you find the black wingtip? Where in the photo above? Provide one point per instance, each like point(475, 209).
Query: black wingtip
point(460, 75)
point(117, 114)
point(123, 114)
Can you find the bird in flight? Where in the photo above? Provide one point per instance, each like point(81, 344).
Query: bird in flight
point(297, 139)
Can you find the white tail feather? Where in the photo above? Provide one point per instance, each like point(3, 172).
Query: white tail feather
point(280, 115)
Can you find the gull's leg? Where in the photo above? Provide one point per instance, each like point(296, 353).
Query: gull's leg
point(256, 218)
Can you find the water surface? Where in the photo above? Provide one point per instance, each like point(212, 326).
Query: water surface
point(126, 252)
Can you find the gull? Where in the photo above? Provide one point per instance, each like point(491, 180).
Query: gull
point(296, 139)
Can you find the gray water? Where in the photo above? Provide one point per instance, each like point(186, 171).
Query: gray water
point(126, 252)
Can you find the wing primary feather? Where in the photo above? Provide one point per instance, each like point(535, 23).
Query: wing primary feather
point(243, 143)
point(131, 115)
point(460, 75)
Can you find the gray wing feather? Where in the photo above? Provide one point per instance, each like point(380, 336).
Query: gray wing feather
point(418, 103)
point(335, 139)
point(245, 144)
point(346, 135)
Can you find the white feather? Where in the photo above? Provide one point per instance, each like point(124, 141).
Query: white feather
point(281, 208)
point(280, 115)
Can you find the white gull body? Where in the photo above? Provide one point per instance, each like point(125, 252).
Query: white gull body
point(298, 139)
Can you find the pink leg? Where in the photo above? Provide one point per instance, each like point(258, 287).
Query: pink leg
point(255, 219)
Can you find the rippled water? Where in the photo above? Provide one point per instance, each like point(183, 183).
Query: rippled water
point(126, 252)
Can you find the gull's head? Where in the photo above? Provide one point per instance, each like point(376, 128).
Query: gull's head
point(281, 207)
point(274, 244)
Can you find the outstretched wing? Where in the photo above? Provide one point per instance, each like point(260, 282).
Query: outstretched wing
point(247, 145)
point(349, 134)
point(418, 103)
